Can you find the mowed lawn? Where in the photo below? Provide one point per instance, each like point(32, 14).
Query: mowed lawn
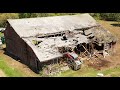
point(91, 72)
point(9, 71)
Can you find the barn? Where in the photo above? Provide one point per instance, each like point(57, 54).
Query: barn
point(36, 41)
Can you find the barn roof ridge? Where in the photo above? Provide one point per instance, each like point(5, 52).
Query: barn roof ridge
point(33, 26)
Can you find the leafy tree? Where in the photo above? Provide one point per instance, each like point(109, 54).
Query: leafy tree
point(5, 16)
point(30, 15)
point(117, 17)
point(109, 16)
point(96, 15)
point(24, 15)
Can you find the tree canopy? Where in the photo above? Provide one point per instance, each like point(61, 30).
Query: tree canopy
point(103, 16)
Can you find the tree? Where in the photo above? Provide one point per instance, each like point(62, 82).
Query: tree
point(117, 18)
point(24, 15)
point(30, 15)
point(96, 15)
point(109, 16)
point(5, 16)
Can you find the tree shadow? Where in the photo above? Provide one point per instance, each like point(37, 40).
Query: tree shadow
point(116, 25)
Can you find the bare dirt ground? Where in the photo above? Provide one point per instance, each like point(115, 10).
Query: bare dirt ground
point(113, 60)
point(2, 74)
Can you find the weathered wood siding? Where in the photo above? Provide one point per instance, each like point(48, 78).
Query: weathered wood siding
point(17, 46)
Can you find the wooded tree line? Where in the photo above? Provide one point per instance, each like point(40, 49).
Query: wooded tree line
point(107, 16)
point(5, 16)
point(103, 16)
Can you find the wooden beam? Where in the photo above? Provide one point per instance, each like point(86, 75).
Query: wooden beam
point(86, 50)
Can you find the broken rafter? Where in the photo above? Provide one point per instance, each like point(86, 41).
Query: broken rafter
point(86, 50)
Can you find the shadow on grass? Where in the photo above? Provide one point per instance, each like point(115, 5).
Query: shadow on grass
point(11, 55)
point(116, 25)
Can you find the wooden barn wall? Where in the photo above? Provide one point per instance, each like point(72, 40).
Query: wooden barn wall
point(17, 47)
point(34, 63)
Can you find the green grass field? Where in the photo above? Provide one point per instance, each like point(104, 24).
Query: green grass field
point(9, 71)
point(12, 68)
point(90, 72)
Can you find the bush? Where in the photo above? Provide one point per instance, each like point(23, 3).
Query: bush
point(24, 15)
point(5, 16)
point(107, 16)
point(96, 15)
point(110, 16)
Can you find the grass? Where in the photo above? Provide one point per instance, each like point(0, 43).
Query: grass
point(1, 34)
point(90, 72)
point(114, 72)
point(9, 71)
point(83, 72)
point(13, 68)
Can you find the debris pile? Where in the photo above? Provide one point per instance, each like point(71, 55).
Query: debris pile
point(85, 42)
point(54, 69)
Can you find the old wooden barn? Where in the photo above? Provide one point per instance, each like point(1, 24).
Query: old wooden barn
point(36, 41)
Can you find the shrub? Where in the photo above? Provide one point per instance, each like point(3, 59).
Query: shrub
point(5, 16)
point(96, 15)
point(110, 16)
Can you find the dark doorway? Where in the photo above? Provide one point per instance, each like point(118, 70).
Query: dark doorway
point(97, 47)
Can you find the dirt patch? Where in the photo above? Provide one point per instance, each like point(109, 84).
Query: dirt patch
point(2, 74)
point(98, 63)
point(110, 61)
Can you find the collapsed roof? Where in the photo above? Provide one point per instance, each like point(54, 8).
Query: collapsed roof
point(31, 29)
